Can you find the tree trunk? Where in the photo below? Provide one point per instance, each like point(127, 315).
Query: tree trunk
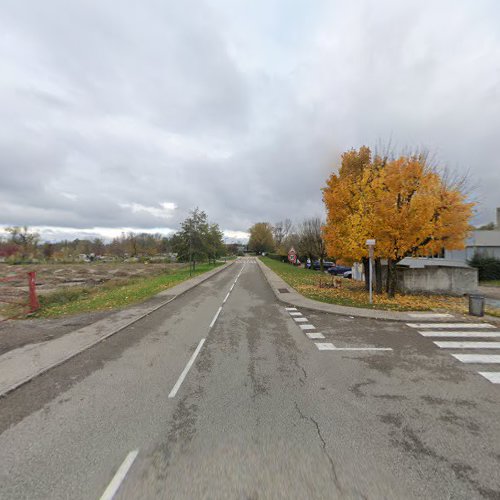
point(366, 270)
point(392, 277)
point(378, 276)
point(321, 264)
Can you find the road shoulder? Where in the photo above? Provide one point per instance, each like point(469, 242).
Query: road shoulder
point(19, 366)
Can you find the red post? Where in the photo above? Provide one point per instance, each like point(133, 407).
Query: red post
point(34, 304)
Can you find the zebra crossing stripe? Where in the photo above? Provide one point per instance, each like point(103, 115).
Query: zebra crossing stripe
point(290, 308)
point(292, 313)
point(455, 333)
point(493, 377)
point(430, 315)
point(477, 358)
point(447, 344)
point(307, 327)
point(315, 335)
point(450, 325)
point(300, 320)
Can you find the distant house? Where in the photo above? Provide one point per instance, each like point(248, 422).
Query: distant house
point(482, 242)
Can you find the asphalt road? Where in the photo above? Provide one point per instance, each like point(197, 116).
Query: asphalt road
point(261, 412)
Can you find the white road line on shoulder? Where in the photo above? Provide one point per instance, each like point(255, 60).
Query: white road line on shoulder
point(493, 377)
point(447, 344)
point(215, 317)
point(226, 297)
point(174, 390)
point(300, 320)
point(430, 315)
point(307, 327)
point(436, 333)
point(118, 478)
point(232, 286)
point(450, 325)
point(290, 308)
point(315, 335)
point(477, 358)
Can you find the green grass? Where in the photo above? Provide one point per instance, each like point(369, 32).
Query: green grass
point(490, 283)
point(111, 295)
point(353, 293)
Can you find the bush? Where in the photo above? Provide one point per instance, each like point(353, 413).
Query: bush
point(489, 267)
point(276, 256)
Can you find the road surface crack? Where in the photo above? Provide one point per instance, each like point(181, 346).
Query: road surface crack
point(323, 446)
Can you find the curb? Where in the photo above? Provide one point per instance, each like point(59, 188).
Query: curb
point(294, 298)
point(204, 277)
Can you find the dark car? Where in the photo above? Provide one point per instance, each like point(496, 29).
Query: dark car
point(326, 265)
point(339, 270)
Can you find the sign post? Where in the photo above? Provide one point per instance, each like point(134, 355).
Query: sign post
point(371, 245)
point(292, 256)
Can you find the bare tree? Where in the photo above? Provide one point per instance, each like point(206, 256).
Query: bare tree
point(281, 230)
point(311, 241)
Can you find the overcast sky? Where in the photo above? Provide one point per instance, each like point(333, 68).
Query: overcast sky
point(126, 114)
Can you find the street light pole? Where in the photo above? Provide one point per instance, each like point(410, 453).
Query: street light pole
point(371, 245)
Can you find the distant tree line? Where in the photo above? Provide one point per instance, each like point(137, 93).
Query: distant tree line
point(197, 240)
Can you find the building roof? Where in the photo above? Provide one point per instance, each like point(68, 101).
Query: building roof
point(484, 239)
point(421, 262)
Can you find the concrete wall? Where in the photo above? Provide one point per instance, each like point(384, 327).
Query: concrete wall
point(435, 279)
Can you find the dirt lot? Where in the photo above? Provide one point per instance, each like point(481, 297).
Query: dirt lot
point(51, 277)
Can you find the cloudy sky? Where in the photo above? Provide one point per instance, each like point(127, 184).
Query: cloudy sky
point(127, 114)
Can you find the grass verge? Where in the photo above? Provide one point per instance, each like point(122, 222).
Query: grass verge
point(490, 283)
point(112, 295)
point(352, 293)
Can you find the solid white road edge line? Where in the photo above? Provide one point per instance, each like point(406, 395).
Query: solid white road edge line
point(118, 478)
point(174, 390)
point(227, 296)
point(215, 317)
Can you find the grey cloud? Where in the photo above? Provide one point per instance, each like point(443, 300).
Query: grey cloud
point(240, 111)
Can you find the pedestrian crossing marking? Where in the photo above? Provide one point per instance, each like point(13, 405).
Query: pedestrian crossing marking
point(324, 346)
point(456, 333)
point(447, 344)
point(315, 335)
point(307, 327)
point(300, 320)
point(450, 325)
point(493, 377)
point(430, 315)
point(477, 358)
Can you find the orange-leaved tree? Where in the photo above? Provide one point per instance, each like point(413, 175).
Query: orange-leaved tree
point(403, 203)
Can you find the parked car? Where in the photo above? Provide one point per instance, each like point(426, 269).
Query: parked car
point(326, 265)
point(339, 270)
point(348, 274)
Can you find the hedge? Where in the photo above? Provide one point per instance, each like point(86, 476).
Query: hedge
point(489, 267)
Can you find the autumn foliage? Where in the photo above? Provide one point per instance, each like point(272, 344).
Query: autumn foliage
point(403, 203)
